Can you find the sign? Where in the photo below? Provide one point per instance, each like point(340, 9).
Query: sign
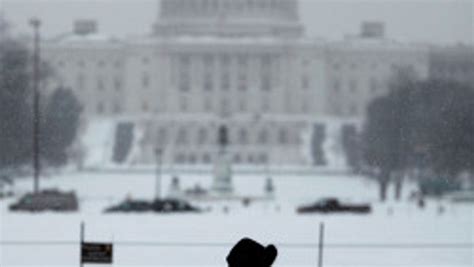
point(100, 253)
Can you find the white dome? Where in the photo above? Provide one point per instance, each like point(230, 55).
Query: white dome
point(282, 9)
point(229, 17)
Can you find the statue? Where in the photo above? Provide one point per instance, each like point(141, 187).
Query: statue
point(222, 169)
point(175, 188)
point(269, 188)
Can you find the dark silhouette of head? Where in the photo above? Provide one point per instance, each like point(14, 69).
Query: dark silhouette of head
point(248, 253)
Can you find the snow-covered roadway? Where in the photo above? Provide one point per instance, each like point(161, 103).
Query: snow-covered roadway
point(395, 234)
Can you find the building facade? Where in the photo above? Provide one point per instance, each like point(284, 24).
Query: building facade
point(244, 64)
point(455, 63)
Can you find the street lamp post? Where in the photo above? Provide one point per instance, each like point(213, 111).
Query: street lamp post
point(158, 154)
point(36, 23)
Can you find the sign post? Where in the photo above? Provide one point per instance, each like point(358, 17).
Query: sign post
point(321, 245)
point(97, 253)
point(82, 242)
point(159, 160)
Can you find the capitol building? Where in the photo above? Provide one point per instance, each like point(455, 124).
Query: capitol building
point(286, 99)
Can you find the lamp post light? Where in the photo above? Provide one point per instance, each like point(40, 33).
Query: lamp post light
point(158, 154)
point(36, 23)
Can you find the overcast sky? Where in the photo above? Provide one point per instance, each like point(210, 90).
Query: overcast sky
point(434, 21)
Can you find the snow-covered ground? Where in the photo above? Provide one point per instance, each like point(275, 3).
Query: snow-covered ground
point(167, 240)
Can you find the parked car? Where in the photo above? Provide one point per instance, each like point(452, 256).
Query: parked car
point(131, 206)
point(160, 206)
point(173, 205)
point(47, 200)
point(327, 205)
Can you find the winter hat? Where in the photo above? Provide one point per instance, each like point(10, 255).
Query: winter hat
point(248, 253)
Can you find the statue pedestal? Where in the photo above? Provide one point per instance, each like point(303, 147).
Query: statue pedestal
point(222, 183)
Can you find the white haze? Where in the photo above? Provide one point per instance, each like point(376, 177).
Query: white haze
point(431, 21)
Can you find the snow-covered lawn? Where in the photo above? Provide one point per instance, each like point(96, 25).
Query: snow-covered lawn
point(167, 240)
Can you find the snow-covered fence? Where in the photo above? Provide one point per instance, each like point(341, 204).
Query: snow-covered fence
point(164, 253)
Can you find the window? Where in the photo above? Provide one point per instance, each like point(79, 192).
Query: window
point(183, 104)
point(353, 110)
point(184, 83)
point(208, 78)
point(265, 73)
point(337, 109)
point(242, 82)
point(393, 67)
point(180, 158)
point(225, 80)
point(266, 82)
point(262, 158)
point(145, 106)
point(208, 61)
point(276, 79)
point(242, 105)
point(100, 83)
point(265, 104)
point(208, 82)
point(145, 80)
point(100, 108)
point(250, 159)
point(206, 158)
point(305, 106)
point(192, 159)
point(162, 135)
point(80, 81)
point(263, 137)
point(225, 61)
point(225, 72)
point(117, 108)
point(117, 84)
point(337, 85)
point(182, 137)
point(243, 137)
point(242, 61)
point(237, 159)
point(353, 86)
point(305, 82)
point(202, 136)
point(283, 136)
point(225, 108)
point(184, 69)
point(207, 104)
point(373, 85)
